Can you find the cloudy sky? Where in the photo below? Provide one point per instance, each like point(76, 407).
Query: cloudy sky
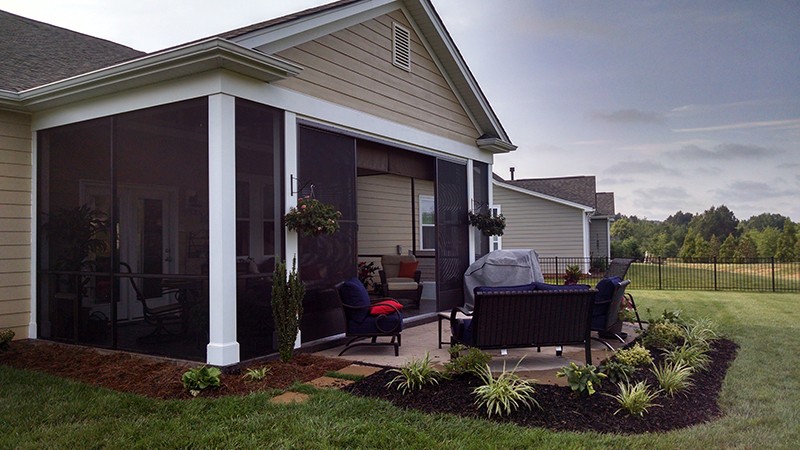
point(672, 105)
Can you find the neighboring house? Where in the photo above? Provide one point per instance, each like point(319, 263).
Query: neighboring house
point(562, 217)
point(180, 164)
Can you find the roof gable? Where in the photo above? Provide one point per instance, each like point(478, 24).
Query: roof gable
point(35, 53)
point(579, 189)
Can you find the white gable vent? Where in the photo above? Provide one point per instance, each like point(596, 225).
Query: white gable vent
point(401, 47)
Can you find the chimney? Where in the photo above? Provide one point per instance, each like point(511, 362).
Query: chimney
point(511, 169)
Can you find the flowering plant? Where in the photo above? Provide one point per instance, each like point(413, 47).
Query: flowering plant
point(626, 313)
point(311, 217)
point(366, 270)
point(488, 224)
point(572, 275)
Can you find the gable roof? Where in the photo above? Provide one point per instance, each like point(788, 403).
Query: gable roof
point(35, 53)
point(577, 189)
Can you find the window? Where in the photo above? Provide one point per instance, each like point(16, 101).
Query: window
point(496, 242)
point(427, 223)
point(401, 47)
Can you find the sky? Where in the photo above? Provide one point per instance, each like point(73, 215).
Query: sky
point(672, 105)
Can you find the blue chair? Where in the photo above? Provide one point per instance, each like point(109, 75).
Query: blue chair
point(360, 324)
point(605, 310)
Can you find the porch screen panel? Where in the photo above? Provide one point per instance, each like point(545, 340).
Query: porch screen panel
point(452, 233)
point(259, 205)
point(480, 191)
point(327, 170)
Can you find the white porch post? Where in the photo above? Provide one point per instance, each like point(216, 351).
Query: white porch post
point(470, 206)
point(291, 188)
point(222, 347)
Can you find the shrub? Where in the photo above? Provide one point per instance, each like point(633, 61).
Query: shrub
point(664, 335)
point(617, 371)
point(701, 332)
point(287, 306)
point(6, 336)
point(200, 378)
point(582, 379)
point(504, 394)
point(257, 374)
point(636, 356)
point(415, 374)
point(635, 399)
point(673, 316)
point(694, 356)
point(673, 377)
point(466, 360)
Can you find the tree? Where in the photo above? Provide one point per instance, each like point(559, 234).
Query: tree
point(763, 221)
point(713, 247)
point(680, 218)
point(715, 222)
point(727, 250)
point(746, 250)
point(689, 247)
point(787, 243)
point(766, 241)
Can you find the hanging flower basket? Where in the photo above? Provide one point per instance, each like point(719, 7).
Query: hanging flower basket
point(488, 224)
point(311, 217)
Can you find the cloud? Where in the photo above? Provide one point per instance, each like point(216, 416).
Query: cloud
point(726, 152)
point(629, 116)
point(777, 124)
point(640, 168)
point(746, 191)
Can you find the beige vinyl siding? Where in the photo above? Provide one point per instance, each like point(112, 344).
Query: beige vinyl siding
point(550, 228)
point(15, 222)
point(353, 67)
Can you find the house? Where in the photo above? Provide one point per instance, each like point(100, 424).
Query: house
point(558, 217)
point(133, 184)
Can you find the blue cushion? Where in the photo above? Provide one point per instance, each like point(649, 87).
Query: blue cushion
point(354, 295)
point(605, 288)
point(377, 324)
point(517, 288)
point(558, 287)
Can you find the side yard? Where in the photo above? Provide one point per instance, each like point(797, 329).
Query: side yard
point(760, 399)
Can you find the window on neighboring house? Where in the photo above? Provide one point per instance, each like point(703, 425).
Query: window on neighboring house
point(427, 223)
point(496, 242)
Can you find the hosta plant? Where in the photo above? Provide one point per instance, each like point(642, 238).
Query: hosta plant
point(617, 371)
point(695, 356)
point(636, 356)
point(197, 379)
point(582, 379)
point(505, 394)
point(673, 377)
point(636, 399)
point(466, 360)
point(415, 374)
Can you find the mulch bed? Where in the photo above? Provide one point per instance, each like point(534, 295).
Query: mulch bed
point(563, 410)
point(560, 408)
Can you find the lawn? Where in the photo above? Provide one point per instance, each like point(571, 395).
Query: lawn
point(761, 399)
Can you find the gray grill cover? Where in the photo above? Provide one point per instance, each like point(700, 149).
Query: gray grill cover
point(502, 268)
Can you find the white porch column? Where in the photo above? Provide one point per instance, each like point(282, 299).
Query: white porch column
point(291, 187)
point(470, 207)
point(222, 347)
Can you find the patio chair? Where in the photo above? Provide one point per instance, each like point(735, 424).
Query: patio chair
point(362, 321)
point(619, 268)
point(400, 278)
point(605, 310)
point(163, 316)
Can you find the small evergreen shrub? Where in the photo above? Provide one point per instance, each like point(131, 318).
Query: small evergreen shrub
point(636, 356)
point(415, 374)
point(636, 399)
point(287, 306)
point(466, 360)
point(582, 379)
point(617, 371)
point(504, 394)
point(664, 335)
point(6, 336)
point(197, 379)
point(673, 377)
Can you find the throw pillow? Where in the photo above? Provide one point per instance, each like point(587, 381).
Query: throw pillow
point(384, 307)
point(407, 269)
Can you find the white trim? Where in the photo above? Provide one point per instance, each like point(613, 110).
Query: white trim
point(584, 208)
point(222, 349)
point(290, 198)
point(496, 211)
point(32, 326)
point(470, 206)
point(587, 253)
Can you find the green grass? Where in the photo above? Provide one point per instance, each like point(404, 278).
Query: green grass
point(760, 398)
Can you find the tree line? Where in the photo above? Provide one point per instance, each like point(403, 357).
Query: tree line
point(714, 233)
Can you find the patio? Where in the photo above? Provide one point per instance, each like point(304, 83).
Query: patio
point(419, 339)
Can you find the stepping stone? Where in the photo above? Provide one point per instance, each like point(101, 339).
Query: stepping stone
point(357, 369)
point(290, 397)
point(330, 382)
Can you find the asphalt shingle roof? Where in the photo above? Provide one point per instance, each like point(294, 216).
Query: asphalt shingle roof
point(578, 189)
point(35, 53)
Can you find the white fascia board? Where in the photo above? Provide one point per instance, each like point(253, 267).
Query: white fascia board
point(289, 34)
point(583, 208)
point(191, 59)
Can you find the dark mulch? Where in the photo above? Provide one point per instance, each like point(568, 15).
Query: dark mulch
point(155, 377)
point(562, 410)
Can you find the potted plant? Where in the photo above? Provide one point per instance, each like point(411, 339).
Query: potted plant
point(487, 223)
point(366, 271)
point(311, 217)
point(572, 275)
point(287, 307)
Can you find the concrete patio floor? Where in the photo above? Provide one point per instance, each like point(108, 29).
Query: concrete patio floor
point(541, 366)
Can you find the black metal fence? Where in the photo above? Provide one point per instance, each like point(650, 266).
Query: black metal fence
point(708, 274)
